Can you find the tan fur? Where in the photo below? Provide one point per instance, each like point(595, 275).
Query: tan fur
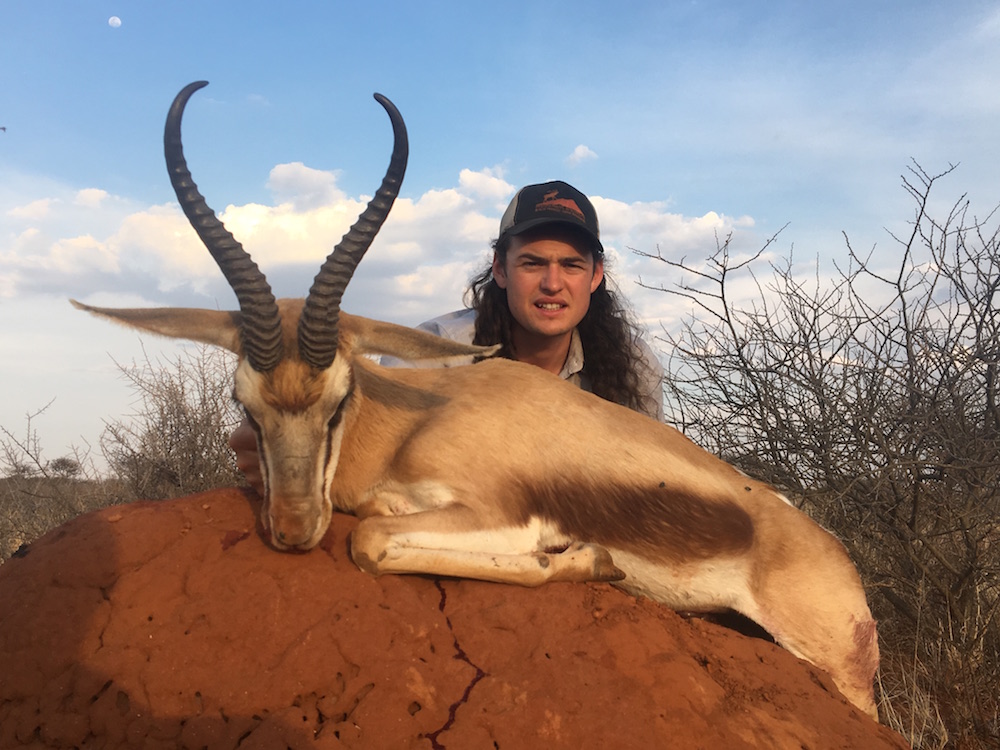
point(291, 386)
point(504, 472)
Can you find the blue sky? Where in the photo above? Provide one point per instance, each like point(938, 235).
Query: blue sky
point(684, 120)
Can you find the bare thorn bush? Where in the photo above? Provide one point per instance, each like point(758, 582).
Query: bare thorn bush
point(870, 396)
point(176, 442)
point(36, 494)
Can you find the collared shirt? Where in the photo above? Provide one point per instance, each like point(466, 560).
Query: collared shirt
point(461, 326)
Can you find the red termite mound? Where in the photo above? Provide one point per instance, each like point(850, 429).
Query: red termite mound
point(173, 625)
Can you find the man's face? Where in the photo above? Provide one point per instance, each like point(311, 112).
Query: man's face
point(549, 280)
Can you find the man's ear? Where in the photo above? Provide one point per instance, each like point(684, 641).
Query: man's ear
point(499, 272)
point(598, 274)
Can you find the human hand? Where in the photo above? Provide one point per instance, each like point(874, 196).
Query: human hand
point(243, 441)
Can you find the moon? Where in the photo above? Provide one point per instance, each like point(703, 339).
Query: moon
point(114, 22)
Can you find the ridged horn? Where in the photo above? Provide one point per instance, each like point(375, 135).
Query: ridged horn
point(318, 326)
point(261, 330)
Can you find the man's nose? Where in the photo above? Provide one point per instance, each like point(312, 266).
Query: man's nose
point(552, 280)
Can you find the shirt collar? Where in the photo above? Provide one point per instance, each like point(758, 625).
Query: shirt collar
point(574, 358)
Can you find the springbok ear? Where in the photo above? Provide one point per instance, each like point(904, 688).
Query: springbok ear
point(215, 327)
point(409, 344)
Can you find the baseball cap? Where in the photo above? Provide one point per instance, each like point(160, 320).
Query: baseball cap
point(550, 203)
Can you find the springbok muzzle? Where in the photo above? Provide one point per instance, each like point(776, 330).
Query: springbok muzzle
point(295, 529)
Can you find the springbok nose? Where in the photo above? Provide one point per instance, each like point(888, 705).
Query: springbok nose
point(294, 529)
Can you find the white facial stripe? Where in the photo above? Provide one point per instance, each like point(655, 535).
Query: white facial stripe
point(335, 439)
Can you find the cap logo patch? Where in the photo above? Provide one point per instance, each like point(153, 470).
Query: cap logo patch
point(551, 202)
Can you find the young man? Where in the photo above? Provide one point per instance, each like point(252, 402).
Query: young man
point(545, 299)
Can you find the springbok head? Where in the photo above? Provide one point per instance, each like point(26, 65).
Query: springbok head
point(294, 376)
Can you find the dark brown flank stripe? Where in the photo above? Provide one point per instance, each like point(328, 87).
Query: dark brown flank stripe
point(662, 523)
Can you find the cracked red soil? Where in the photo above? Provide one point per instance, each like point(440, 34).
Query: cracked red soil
point(171, 624)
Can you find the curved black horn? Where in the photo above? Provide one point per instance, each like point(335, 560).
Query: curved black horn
point(261, 330)
point(318, 333)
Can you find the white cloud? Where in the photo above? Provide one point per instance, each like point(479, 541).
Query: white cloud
point(580, 154)
point(303, 186)
point(290, 233)
point(76, 252)
point(160, 243)
point(647, 225)
point(33, 211)
point(90, 197)
point(417, 268)
point(486, 183)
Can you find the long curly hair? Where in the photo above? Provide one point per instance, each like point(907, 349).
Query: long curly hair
point(609, 336)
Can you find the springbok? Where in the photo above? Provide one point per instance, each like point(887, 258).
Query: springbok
point(499, 470)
